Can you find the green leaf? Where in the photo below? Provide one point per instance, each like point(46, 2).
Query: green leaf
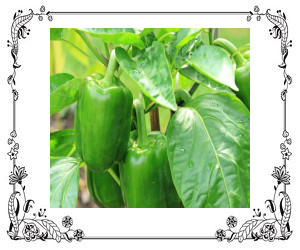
point(178, 56)
point(65, 94)
point(57, 80)
point(209, 152)
point(214, 63)
point(56, 34)
point(197, 77)
point(160, 32)
point(185, 35)
point(151, 72)
point(117, 35)
point(146, 31)
point(67, 36)
point(64, 182)
point(181, 44)
point(147, 39)
point(62, 143)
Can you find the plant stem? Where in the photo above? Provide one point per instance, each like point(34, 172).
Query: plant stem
point(240, 49)
point(106, 50)
point(92, 47)
point(165, 35)
point(114, 175)
point(210, 36)
point(191, 92)
point(71, 151)
point(182, 96)
point(194, 88)
point(107, 80)
point(154, 120)
point(141, 122)
point(228, 46)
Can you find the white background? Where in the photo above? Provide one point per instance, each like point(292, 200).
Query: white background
point(33, 123)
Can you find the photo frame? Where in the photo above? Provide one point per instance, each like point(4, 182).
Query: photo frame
point(264, 225)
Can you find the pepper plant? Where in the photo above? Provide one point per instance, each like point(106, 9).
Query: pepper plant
point(203, 157)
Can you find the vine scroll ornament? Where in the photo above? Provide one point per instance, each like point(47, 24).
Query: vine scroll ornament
point(276, 225)
point(22, 224)
point(38, 226)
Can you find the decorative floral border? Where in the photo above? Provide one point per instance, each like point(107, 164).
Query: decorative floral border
point(276, 225)
point(24, 225)
point(31, 227)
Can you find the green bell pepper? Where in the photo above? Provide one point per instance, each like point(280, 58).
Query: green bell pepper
point(104, 190)
point(102, 121)
point(242, 72)
point(145, 175)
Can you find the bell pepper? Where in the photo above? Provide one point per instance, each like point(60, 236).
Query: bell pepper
point(242, 72)
point(102, 121)
point(104, 190)
point(246, 55)
point(145, 175)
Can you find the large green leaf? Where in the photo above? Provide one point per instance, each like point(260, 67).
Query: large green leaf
point(209, 152)
point(214, 63)
point(117, 35)
point(181, 45)
point(65, 94)
point(192, 74)
point(150, 70)
point(62, 143)
point(64, 182)
point(185, 35)
point(57, 80)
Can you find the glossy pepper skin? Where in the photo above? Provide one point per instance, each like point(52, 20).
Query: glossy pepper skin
point(242, 72)
point(102, 122)
point(242, 80)
point(104, 190)
point(145, 175)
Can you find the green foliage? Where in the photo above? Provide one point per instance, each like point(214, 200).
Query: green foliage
point(194, 75)
point(214, 63)
point(207, 163)
point(65, 94)
point(58, 80)
point(209, 152)
point(64, 181)
point(117, 35)
point(151, 73)
point(62, 143)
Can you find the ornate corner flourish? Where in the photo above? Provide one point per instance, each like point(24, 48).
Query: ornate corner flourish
point(37, 226)
point(276, 225)
point(22, 224)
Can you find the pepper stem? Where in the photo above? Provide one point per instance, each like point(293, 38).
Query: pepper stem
point(182, 95)
point(107, 80)
point(114, 175)
point(141, 122)
point(228, 46)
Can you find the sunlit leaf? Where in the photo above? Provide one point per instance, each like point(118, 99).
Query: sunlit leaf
point(151, 73)
point(57, 80)
point(65, 94)
point(117, 35)
point(209, 152)
point(214, 63)
point(64, 182)
point(62, 143)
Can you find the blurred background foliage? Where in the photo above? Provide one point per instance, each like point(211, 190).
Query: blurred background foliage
point(71, 55)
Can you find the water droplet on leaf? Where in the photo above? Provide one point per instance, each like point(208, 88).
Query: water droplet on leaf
point(191, 165)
